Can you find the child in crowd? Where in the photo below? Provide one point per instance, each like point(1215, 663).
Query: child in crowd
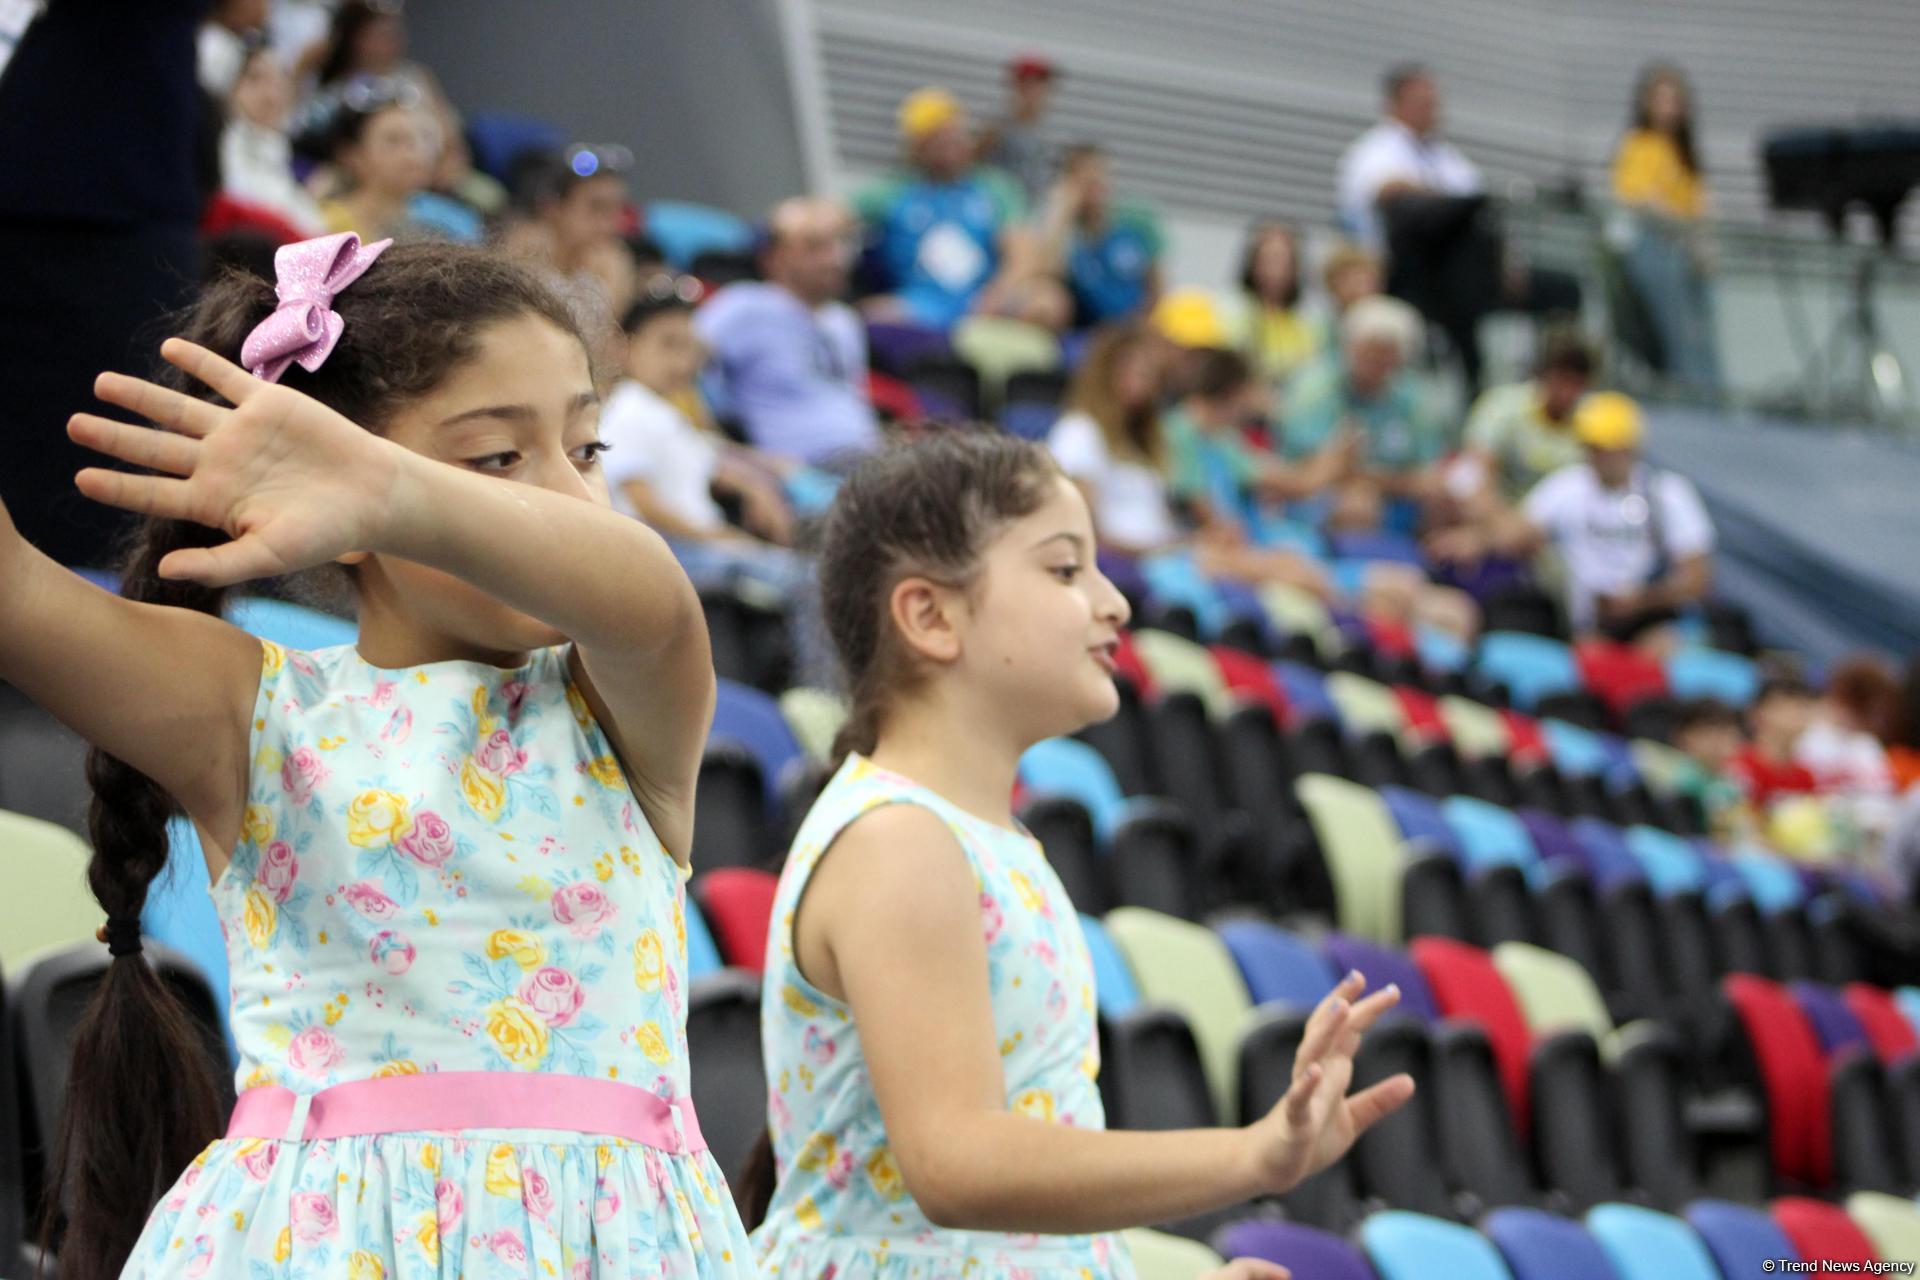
point(448, 859)
point(1708, 732)
point(929, 1024)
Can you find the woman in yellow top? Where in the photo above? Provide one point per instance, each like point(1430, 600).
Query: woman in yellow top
point(1657, 179)
point(1276, 332)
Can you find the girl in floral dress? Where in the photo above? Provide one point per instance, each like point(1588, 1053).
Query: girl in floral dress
point(449, 859)
point(928, 1019)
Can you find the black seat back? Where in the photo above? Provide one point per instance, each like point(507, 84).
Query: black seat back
point(723, 1052)
point(1267, 1051)
point(1150, 1073)
point(1866, 1151)
point(1126, 744)
point(731, 826)
point(1574, 1121)
point(1477, 1144)
point(1065, 831)
point(1398, 1161)
point(1155, 864)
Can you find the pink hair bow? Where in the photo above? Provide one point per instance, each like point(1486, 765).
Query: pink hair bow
point(304, 328)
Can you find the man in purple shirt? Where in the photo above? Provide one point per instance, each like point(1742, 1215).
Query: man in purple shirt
point(790, 357)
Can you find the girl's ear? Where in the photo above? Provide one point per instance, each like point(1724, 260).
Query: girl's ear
point(926, 615)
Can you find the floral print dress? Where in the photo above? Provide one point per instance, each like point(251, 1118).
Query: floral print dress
point(841, 1208)
point(442, 869)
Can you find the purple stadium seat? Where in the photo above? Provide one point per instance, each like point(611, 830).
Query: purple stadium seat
point(1836, 1026)
point(1276, 965)
point(894, 347)
point(1555, 840)
point(1382, 965)
point(1609, 861)
point(1309, 1253)
point(1544, 1246)
point(1740, 1237)
point(1419, 818)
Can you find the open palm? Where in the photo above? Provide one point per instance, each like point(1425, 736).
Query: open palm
point(1317, 1122)
point(292, 483)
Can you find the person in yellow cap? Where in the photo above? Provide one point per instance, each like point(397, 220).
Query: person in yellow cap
point(1634, 542)
point(946, 231)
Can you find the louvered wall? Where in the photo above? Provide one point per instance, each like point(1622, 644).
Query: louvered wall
point(1235, 107)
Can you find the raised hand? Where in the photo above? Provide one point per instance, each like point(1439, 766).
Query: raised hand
point(291, 482)
point(1316, 1122)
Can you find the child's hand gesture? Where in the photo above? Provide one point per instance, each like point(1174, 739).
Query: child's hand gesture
point(1316, 1122)
point(293, 483)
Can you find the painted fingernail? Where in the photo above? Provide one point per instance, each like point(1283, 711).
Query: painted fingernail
point(1394, 987)
point(1353, 975)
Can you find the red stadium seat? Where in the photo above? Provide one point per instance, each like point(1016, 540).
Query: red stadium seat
point(1423, 713)
point(1391, 638)
point(1466, 985)
point(1822, 1232)
point(1250, 676)
point(1889, 1031)
point(738, 903)
point(1528, 744)
point(1620, 674)
point(1792, 1073)
point(1127, 659)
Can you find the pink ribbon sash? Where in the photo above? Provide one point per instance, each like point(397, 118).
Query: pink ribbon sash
point(452, 1101)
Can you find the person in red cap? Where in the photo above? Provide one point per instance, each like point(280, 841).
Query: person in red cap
point(1015, 142)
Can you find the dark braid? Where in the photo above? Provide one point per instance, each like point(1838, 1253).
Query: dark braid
point(143, 1098)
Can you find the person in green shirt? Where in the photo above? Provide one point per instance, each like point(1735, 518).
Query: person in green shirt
point(1522, 432)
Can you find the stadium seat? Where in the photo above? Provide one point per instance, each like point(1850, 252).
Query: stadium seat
point(1361, 846)
point(1151, 1076)
point(948, 387)
point(1543, 1246)
point(1670, 864)
point(738, 905)
point(1467, 985)
point(1382, 966)
point(1180, 599)
point(1113, 984)
point(1047, 387)
point(1065, 767)
point(1029, 419)
point(1645, 1244)
point(754, 720)
point(1420, 818)
point(1487, 834)
point(1740, 1237)
point(1158, 1255)
point(1277, 966)
point(1554, 993)
point(1476, 729)
point(1250, 678)
point(1620, 674)
point(1294, 612)
point(1000, 347)
point(814, 717)
point(1822, 1232)
point(1411, 1246)
point(13, 1171)
point(500, 138)
point(1792, 1076)
point(684, 230)
point(1306, 693)
point(1181, 666)
point(1309, 1253)
point(732, 823)
point(723, 1053)
point(703, 957)
point(1609, 861)
point(1891, 1035)
point(1575, 751)
point(1833, 1022)
point(47, 903)
point(1065, 831)
point(1709, 673)
point(42, 765)
point(1365, 706)
point(1890, 1223)
point(895, 346)
point(1530, 666)
point(1187, 967)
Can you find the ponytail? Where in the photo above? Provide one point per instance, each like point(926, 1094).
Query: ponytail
point(143, 1092)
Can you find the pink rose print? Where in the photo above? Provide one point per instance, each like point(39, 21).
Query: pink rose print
point(507, 1247)
point(278, 870)
point(818, 1047)
point(258, 1162)
point(582, 908)
point(448, 1204)
point(513, 693)
point(370, 902)
point(313, 1217)
point(302, 772)
point(535, 1194)
point(554, 994)
point(302, 663)
point(391, 951)
point(582, 1269)
point(314, 1052)
point(991, 917)
point(399, 727)
point(605, 1207)
point(497, 755)
point(382, 695)
point(202, 1257)
point(429, 841)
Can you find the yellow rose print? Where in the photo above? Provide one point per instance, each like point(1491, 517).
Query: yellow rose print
point(365, 1266)
point(503, 1172)
point(375, 817)
point(807, 1213)
point(283, 1245)
point(398, 1067)
point(527, 951)
point(577, 703)
point(796, 1000)
point(517, 1033)
point(883, 1171)
point(605, 770)
point(429, 1236)
point(652, 1043)
point(259, 919)
point(649, 965)
point(1029, 896)
point(817, 1154)
point(272, 657)
point(256, 825)
point(1036, 1103)
point(268, 760)
point(485, 793)
point(430, 1159)
point(486, 723)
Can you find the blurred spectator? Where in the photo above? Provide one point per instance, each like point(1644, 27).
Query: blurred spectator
point(1844, 745)
point(369, 38)
point(1350, 274)
point(1015, 141)
point(256, 157)
point(230, 29)
point(578, 203)
point(1657, 176)
point(1519, 434)
point(1708, 732)
point(946, 232)
point(1110, 251)
point(1408, 193)
point(1274, 328)
point(1635, 543)
point(379, 148)
point(1365, 387)
point(789, 356)
point(1781, 712)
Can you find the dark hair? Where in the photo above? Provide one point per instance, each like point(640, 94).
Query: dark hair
point(1705, 713)
point(1402, 74)
point(141, 1099)
point(1566, 351)
point(352, 18)
point(1081, 151)
point(1641, 118)
point(1782, 686)
point(1870, 691)
point(1257, 235)
point(651, 307)
point(1220, 373)
point(926, 508)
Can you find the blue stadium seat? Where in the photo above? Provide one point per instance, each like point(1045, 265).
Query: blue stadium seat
point(1532, 667)
point(1381, 965)
point(1710, 673)
point(751, 718)
point(1837, 1026)
point(1771, 883)
point(1576, 752)
point(1647, 1245)
point(1671, 864)
point(1440, 651)
point(1609, 860)
point(1489, 835)
point(1174, 581)
point(1419, 817)
point(1545, 1246)
point(1306, 692)
point(1741, 1238)
point(1065, 767)
point(684, 231)
point(1276, 965)
point(703, 956)
point(498, 138)
point(1113, 984)
point(1029, 419)
point(1376, 544)
point(1309, 1253)
point(1412, 1246)
point(1908, 998)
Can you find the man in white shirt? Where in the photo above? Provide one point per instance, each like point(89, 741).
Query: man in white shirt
point(1635, 543)
point(1403, 154)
